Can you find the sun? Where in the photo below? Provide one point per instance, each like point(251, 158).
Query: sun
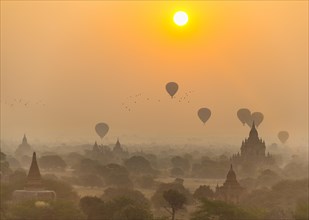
point(181, 18)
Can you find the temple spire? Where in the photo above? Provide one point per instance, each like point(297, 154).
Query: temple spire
point(24, 139)
point(231, 176)
point(253, 125)
point(34, 180)
point(253, 132)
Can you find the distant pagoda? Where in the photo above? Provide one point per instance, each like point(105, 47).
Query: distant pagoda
point(118, 151)
point(24, 148)
point(253, 147)
point(117, 148)
point(96, 148)
point(231, 190)
point(34, 188)
point(252, 153)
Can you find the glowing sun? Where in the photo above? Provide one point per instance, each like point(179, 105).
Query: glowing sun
point(181, 18)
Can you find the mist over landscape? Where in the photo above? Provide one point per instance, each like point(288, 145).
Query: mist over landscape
point(154, 110)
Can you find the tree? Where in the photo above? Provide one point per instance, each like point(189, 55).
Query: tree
point(119, 208)
point(158, 200)
point(134, 195)
point(214, 209)
point(138, 164)
point(4, 165)
point(267, 178)
point(302, 209)
point(56, 210)
point(14, 163)
point(73, 158)
point(176, 172)
point(52, 162)
point(145, 181)
point(117, 175)
point(175, 199)
point(180, 162)
point(64, 191)
point(87, 166)
point(203, 192)
point(93, 207)
point(90, 180)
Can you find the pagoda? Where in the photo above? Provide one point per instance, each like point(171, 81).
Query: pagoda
point(34, 188)
point(231, 189)
point(24, 148)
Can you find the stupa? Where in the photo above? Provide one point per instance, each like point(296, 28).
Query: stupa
point(34, 188)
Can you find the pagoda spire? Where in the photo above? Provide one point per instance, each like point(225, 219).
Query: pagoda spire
point(24, 139)
point(253, 124)
point(231, 176)
point(34, 180)
point(253, 132)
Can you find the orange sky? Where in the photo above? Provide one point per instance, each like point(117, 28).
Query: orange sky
point(83, 59)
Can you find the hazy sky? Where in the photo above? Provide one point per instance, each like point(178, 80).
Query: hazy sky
point(74, 63)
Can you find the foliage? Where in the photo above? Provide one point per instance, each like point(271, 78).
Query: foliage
point(211, 209)
point(180, 162)
point(177, 172)
point(117, 175)
point(209, 168)
point(56, 210)
point(175, 199)
point(52, 162)
point(4, 165)
point(158, 200)
point(87, 166)
point(138, 164)
point(90, 180)
point(17, 180)
point(73, 158)
point(134, 195)
point(296, 169)
point(203, 192)
point(267, 178)
point(14, 163)
point(120, 208)
point(2, 156)
point(302, 209)
point(91, 206)
point(113, 174)
point(64, 191)
point(145, 181)
point(280, 200)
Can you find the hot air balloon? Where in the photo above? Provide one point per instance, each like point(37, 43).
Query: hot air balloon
point(101, 129)
point(283, 136)
point(171, 88)
point(257, 117)
point(204, 114)
point(244, 115)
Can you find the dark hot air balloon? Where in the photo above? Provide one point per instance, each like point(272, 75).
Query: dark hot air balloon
point(257, 117)
point(283, 136)
point(171, 88)
point(244, 115)
point(101, 129)
point(204, 114)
